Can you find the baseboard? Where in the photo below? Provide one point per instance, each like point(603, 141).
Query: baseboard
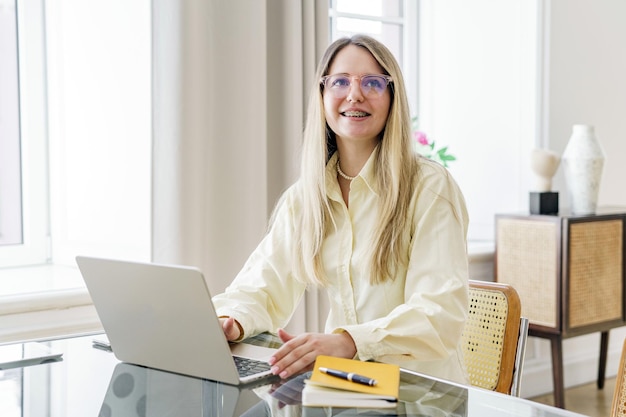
point(580, 363)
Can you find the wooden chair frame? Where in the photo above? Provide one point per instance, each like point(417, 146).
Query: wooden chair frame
point(494, 339)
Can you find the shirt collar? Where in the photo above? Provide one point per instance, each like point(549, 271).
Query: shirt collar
point(367, 174)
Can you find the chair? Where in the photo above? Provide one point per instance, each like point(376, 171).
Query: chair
point(618, 407)
point(494, 337)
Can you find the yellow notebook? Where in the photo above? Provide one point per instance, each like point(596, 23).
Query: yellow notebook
point(323, 390)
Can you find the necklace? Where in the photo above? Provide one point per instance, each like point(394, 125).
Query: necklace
point(340, 172)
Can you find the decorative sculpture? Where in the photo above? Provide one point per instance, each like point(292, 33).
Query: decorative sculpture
point(544, 164)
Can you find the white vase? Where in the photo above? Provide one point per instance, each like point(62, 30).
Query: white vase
point(583, 161)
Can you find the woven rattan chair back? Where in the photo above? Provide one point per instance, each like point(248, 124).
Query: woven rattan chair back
point(618, 408)
point(493, 345)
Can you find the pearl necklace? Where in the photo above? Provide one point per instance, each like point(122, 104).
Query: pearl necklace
point(340, 172)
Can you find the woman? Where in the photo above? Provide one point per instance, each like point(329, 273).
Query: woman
point(381, 228)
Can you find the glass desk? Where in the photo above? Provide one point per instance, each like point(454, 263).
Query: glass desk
point(89, 381)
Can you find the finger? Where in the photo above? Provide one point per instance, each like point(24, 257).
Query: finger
point(294, 357)
point(294, 364)
point(284, 336)
point(227, 325)
point(230, 329)
point(290, 343)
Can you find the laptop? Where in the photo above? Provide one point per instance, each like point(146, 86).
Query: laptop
point(162, 317)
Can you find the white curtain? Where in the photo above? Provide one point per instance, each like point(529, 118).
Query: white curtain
point(230, 85)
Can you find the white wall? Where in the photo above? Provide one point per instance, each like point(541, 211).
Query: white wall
point(586, 83)
point(500, 78)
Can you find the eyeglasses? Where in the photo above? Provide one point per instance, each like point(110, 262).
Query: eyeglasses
point(371, 85)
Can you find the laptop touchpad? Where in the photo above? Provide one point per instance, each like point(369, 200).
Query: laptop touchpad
point(251, 351)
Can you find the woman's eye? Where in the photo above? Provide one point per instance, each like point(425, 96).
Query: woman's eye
point(373, 83)
point(340, 82)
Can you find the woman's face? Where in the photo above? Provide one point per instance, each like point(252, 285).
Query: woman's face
point(362, 113)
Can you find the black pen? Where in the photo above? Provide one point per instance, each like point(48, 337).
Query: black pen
point(350, 376)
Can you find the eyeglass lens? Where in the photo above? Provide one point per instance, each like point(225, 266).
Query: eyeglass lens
point(371, 85)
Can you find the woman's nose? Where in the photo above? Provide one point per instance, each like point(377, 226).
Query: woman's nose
point(354, 93)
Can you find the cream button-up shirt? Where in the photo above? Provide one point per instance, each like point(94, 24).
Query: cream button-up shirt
point(415, 320)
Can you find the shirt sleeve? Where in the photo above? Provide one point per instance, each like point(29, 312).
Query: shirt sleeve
point(427, 326)
point(264, 294)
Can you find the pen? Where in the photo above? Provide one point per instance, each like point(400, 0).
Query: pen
point(350, 376)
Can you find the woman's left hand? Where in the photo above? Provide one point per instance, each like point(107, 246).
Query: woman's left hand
point(298, 353)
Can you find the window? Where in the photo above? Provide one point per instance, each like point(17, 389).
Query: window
point(22, 55)
point(381, 19)
point(99, 135)
point(10, 162)
point(85, 124)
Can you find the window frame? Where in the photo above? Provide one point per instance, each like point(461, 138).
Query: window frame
point(34, 248)
point(11, 230)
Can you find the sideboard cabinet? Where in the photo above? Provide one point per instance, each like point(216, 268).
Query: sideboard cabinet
point(569, 272)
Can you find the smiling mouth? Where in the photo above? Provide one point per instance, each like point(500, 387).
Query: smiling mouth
point(355, 114)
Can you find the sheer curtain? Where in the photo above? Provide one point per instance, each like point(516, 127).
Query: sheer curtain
point(230, 85)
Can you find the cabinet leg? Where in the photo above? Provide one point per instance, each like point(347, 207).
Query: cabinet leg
point(604, 347)
point(556, 344)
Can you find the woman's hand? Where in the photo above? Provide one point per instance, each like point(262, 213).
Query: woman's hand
point(298, 353)
point(232, 330)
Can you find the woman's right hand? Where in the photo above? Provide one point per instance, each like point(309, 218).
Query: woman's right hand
point(298, 353)
point(231, 328)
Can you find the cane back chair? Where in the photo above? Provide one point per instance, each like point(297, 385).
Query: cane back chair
point(494, 338)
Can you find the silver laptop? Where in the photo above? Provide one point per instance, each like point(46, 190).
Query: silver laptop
point(162, 317)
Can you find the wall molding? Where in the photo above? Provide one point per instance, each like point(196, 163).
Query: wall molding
point(49, 324)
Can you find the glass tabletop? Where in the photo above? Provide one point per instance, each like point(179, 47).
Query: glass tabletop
point(90, 381)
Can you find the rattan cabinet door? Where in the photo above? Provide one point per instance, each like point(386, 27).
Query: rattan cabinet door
point(528, 254)
point(593, 273)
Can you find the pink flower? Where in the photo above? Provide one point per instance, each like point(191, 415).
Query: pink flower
point(420, 137)
point(426, 147)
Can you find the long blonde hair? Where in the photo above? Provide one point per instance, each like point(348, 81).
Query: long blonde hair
point(396, 167)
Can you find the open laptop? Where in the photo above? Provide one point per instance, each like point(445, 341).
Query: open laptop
point(162, 317)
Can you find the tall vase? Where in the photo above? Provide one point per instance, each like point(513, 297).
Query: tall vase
point(583, 161)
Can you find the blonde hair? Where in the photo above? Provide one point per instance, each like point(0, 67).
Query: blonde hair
point(395, 168)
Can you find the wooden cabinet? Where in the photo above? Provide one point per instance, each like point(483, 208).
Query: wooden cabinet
point(569, 272)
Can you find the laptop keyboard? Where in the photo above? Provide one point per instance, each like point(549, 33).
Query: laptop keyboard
point(247, 366)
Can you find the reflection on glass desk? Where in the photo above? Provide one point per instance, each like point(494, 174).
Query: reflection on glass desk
point(91, 382)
